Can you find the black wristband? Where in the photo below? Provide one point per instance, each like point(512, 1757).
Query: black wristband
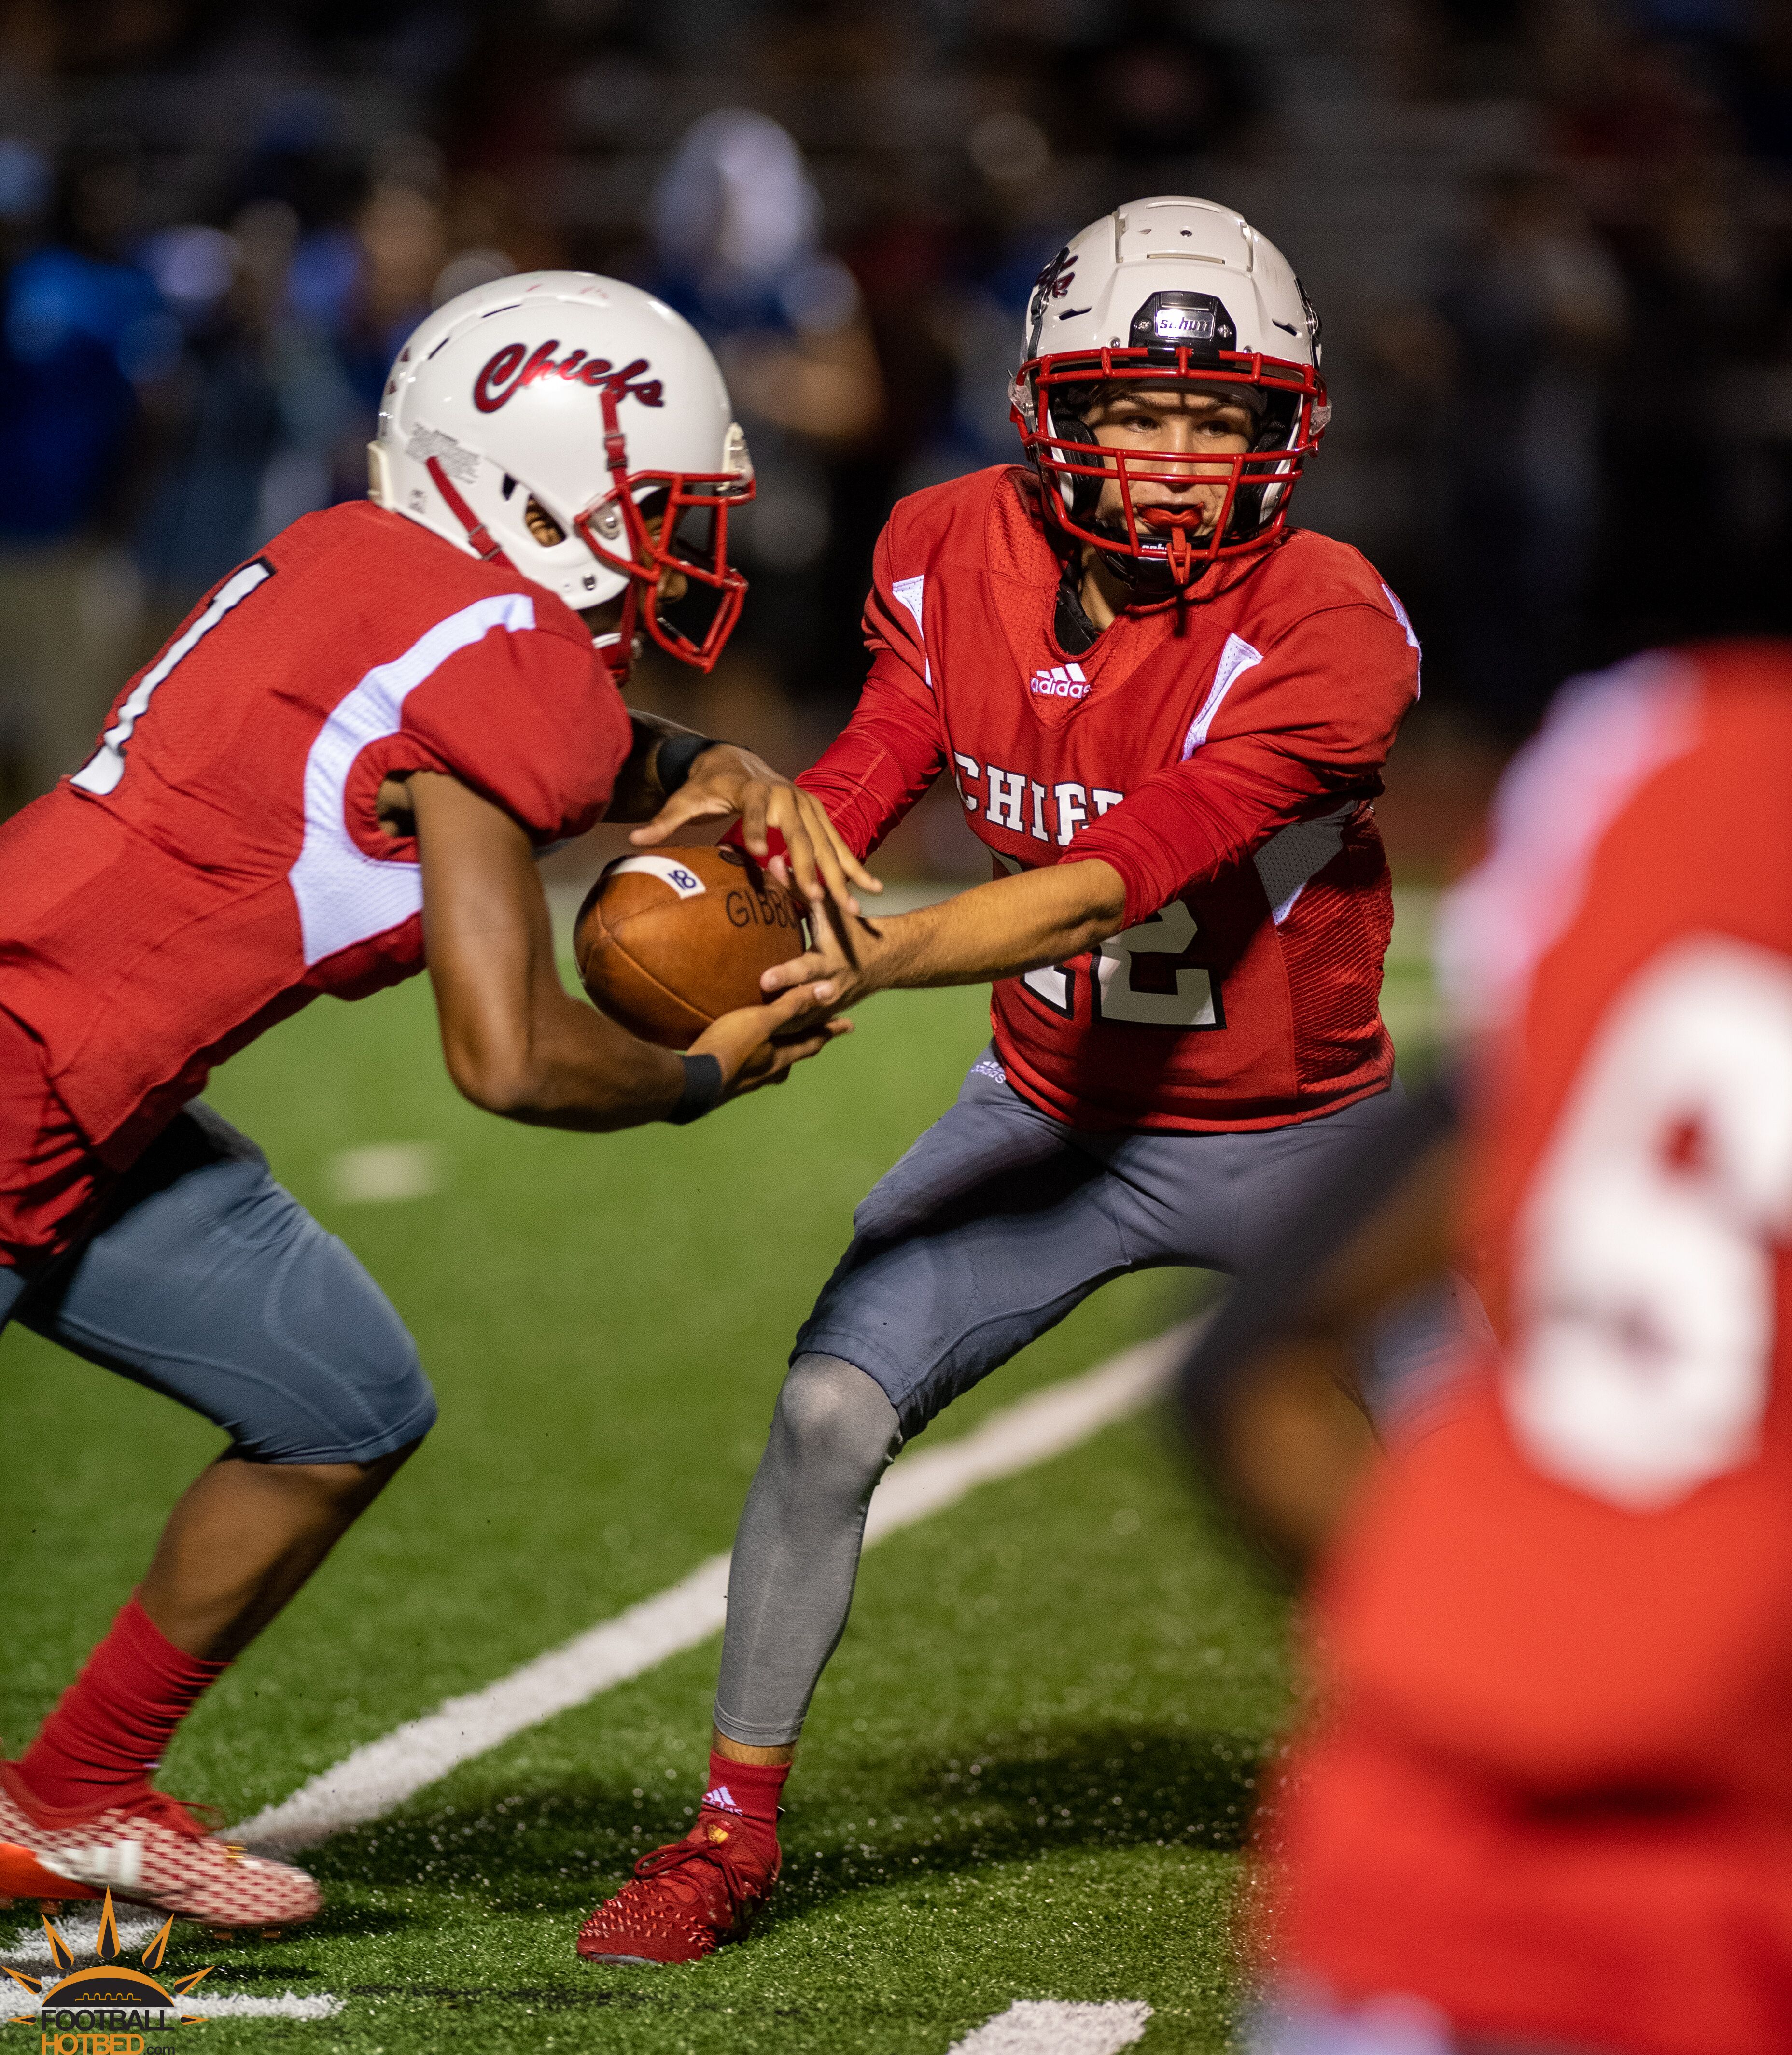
point(701, 1092)
point(677, 753)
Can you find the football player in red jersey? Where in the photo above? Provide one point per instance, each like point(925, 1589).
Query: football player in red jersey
point(1166, 714)
point(340, 767)
point(1548, 1808)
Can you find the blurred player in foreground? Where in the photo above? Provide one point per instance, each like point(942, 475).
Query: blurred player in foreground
point(1167, 715)
point(343, 764)
point(1547, 1811)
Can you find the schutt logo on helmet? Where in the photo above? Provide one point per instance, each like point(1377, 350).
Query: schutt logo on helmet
point(506, 373)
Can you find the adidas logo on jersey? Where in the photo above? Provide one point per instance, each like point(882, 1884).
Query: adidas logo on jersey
point(1061, 681)
point(722, 1799)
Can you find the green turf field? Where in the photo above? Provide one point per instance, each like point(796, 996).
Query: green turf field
point(1028, 1770)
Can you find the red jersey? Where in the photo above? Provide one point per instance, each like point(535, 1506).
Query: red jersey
point(217, 864)
point(1556, 1797)
point(1220, 753)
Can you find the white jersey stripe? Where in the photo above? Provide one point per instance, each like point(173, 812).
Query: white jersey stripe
point(344, 896)
point(909, 591)
point(1235, 659)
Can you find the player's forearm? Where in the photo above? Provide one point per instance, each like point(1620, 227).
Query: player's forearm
point(514, 1043)
point(867, 788)
point(517, 1045)
point(579, 1071)
point(1000, 929)
point(883, 760)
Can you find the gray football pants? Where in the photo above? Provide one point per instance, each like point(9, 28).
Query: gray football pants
point(205, 1280)
point(995, 1225)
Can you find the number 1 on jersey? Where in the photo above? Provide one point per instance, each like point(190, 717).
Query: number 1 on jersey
point(100, 773)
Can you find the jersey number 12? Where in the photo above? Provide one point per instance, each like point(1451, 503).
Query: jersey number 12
point(1143, 975)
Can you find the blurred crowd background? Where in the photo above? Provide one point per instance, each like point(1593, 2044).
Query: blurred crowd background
point(1550, 240)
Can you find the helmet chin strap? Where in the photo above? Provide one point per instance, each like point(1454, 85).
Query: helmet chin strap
point(485, 544)
point(617, 644)
point(620, 639)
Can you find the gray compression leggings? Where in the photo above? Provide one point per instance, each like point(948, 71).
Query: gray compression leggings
point(834, 1434)
point(797, 1549)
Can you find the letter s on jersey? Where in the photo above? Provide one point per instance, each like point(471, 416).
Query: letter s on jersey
point(1644, 1276)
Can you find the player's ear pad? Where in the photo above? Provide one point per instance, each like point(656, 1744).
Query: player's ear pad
point(1079, 495)
point(1255, 503)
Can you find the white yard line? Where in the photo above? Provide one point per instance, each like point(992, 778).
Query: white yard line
point(81, 1931)
point(384, 1171)
point(376, 1779)
point(1052, 2026)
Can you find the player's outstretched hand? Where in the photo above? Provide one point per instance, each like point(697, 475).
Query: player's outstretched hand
point(727, 780)
point(847, 961)
point(757, 1045)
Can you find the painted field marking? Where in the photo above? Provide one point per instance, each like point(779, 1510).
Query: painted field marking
point(82, 1931)
point(384, 1171)
point(1054, 2026)
point(377, 1778)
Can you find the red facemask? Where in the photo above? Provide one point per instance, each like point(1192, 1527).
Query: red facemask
point(1254, 486)
point(646, 549)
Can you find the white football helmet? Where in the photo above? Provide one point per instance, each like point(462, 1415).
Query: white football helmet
point(606, 408)
point(1170, 291)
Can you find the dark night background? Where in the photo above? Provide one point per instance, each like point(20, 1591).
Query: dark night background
point(1552, 246)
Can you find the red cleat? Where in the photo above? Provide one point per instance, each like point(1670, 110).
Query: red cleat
point(687, 1898)
point(148, 1850)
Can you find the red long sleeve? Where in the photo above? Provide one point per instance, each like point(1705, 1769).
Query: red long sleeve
point(1282, 747)
point(1217, 754)
point(894, 745)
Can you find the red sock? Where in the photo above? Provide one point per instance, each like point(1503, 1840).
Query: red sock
point(104, 1740)
point(750, 1788)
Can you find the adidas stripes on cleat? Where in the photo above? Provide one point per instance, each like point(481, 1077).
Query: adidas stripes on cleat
point(148, 1850)
point(684, 1900)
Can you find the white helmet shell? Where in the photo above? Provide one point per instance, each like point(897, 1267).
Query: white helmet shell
point(504, 389)
point(1104, 276)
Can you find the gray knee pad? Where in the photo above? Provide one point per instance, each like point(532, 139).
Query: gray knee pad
point(797, 1550)
point(837, 1423)
point(211, 1284)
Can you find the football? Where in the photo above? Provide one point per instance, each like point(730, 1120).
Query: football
point(668, 940)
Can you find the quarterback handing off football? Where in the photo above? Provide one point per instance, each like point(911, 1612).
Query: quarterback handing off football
point(666, 942)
